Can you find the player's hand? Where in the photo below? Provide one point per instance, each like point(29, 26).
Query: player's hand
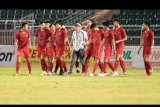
point(47, 45)
point(116, 42)
point(152, 50)
point(13, 51)
point(138, 51)
point(114, 52)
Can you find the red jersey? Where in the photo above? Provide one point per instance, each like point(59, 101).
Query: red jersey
point(22, 37)
point(43, 36)
point(60, 35)
point(97, 38)
point(119, 33)
point(109, 37)
point(148, 37)
point(52, 38)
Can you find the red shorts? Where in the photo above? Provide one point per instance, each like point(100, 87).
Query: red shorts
point(41, 51)
point(51, 51)
point(107, 52)
point(59, 50)
point(96, 54)
point(120, 49)
point(25, 51)
point(147, 53)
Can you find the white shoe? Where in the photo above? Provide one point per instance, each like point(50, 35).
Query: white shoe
point(91, 74)
point(44, 73)
point(115, 74)
point(49, 74)
point(124, 73)
point(105, 74)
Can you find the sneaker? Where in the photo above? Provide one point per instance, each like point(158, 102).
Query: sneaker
point(16, 75)
point(30, 74)
point(69, 72)
point(124, 73)
point(44, 73)
point(53, 73)
point(49, 74)
point(146, 74)
point(105, 74)
point(78, 71)
point(115, 74)
point(100, 74)
point(61, 72)
point(91, 74)
point(84, 74)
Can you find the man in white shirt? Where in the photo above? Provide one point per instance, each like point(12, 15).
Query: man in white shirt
point(79, 39)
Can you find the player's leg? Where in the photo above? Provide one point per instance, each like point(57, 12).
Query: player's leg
point(18, 65)
point(122, 65)
point(95, 67)
point(115, 73)
point(86, 65)
point(148, 67)
point(19, 55)
point(74, 59)
point(111, 65)
point(28, 59)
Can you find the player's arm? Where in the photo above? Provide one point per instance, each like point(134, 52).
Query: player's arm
point(141, 44)
point(34, 42)
point(15, 45)
point(30, 46)
point(152, 41)
point(124, 35)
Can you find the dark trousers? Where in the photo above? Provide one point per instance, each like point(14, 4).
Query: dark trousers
point(75, 55)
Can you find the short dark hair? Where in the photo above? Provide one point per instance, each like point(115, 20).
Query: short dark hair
point(59, 22)
point(105, 23)
point(24, 24)
point(93, 25)
point(47, 21)
point(117, 20)
point(147, 23)
point(92, 21)
point(51, 25)
point(41, 22)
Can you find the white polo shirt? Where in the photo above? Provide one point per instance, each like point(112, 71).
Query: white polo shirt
point(78, 39)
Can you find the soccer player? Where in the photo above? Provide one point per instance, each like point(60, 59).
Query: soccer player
point(24, 47)
point(120, 37)
point(147, 43)
point(51, 48)
point(43, 35)
point(79, 38)
point(96, 39)
point(61, 41)
point(109, 45)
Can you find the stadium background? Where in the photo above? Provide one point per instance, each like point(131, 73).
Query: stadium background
point(10, 21)
point(133, 88)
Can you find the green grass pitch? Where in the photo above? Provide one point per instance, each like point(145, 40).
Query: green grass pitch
point(133, 88)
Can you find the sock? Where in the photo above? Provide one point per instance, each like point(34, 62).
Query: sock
point(60, 63)
point(86, 66)
point(101, 65)
point(43, 64)
point(105, 67)
point(17, 67)
point(146, 67)
point(56, 67)
point(64, 66)
point(116, 65)
point(111, 66)
point(95, 67)
point(122, 65)
point(29, 67)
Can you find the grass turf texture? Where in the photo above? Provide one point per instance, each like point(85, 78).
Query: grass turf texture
point(133, 88)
